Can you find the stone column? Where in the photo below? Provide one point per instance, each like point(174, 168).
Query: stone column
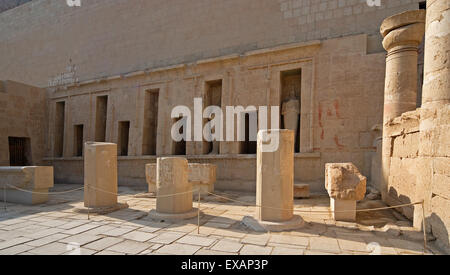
point(100, 176)
point(432, 186)
point(174, 191)
point(436, 87)
point(275, 185)
point(402, 34)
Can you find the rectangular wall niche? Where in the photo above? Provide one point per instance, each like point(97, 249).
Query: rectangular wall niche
point(179, 148)
point(101, 112)
point(78, 140)
point(60, 108)
point(123, 137)
point(212, 97)
point(150, 122)
point(248, 146)
point(291, 86)
point(19, 151)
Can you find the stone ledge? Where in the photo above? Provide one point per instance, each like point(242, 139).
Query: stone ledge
point(314, 155)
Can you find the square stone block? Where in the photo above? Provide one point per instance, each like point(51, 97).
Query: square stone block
point(343, 205)
point(301, 191)
point(36, 179)
point(100, 175)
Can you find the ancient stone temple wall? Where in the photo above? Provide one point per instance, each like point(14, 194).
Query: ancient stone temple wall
point(340, 93)
point(23, 120)
point(416, 159)
point(42, 37)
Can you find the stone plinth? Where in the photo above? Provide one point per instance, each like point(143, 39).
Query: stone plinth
point(201, 176)
point(100, 178)
point(301, 191)
point(402, 34)
point(275, 185)
point(173, 190)
point(150, 175)
point(37, 179)
point(346, 186)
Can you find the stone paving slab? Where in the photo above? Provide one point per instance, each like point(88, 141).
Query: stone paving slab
point(227, 246)
point(178, 249)
point(52, 228)
point(129, 247)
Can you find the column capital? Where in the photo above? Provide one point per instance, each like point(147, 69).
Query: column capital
point(405, 29)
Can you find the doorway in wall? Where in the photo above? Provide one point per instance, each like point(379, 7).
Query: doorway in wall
point(149, 146)
point(124, 134)
point(78, 140)
point(19, 151)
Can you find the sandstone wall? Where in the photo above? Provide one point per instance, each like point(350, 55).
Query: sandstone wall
point(420, 168)
point(23, 114)
point(103, 37)
point(342, 96)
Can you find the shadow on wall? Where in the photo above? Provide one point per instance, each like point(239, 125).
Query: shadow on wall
point(439, 230)
point(396, 199)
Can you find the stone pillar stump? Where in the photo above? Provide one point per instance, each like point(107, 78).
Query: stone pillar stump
point(275, 185)
point(173, 190)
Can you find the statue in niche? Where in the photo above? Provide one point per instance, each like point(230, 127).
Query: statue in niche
point(290, 110)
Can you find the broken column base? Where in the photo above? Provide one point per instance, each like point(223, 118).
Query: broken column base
point(349, 208)
point(266, 226)
point(16, 196)
point(100, 210)
point(173, 217)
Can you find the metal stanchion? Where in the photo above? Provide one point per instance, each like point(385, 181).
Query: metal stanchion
point(4, 198)
point(198, 213)
point(424, 227)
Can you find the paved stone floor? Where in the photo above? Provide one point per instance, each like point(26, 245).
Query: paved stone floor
point(54, 228)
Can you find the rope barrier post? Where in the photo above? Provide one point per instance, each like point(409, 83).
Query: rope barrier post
point(424, 227)
point(4, 198)
point(88, 203)
point(198, 213)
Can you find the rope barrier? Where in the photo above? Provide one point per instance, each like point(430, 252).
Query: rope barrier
point(157, 196)
point(311, 211)
point(228, 199)
point(42, 193)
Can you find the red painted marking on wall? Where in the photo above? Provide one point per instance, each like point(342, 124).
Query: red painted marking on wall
point(320, 115)
point(336, 107)
point(336, 140)
point(329, 112)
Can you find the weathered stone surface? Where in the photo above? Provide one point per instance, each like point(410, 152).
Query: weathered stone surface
point(343, 181)
point(36, 179)
point(275, 185)
point(402, 19)
point(275, 179)
point(100, 175)
point(301, 191)
point(173, 187)
point(201, 176)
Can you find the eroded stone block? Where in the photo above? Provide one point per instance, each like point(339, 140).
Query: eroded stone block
point(201, 176)
point(100, 175)
point(36, 179)
point(345, 185)
point(301, 191)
